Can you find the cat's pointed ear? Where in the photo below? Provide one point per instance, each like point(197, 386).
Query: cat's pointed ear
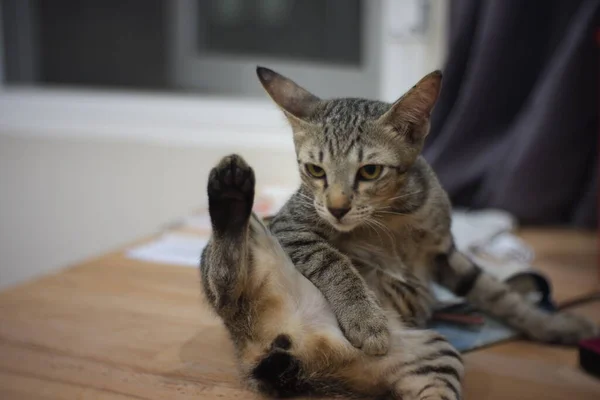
point(410, 113)
point(294, 100)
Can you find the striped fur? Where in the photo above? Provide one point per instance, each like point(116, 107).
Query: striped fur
point(286, 335)
point(395, 238)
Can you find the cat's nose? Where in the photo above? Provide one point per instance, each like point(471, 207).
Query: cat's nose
point(338, 212)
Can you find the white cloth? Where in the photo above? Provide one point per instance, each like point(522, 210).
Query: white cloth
point(487, 237)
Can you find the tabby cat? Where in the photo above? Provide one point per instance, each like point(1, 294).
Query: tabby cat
point(370, 223)
point(285, 333)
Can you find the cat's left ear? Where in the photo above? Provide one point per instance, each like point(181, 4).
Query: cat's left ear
point(297, 103)
point(410, 114)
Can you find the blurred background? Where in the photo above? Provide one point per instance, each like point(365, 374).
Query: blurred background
point(113, 111)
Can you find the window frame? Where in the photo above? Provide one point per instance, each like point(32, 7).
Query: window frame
point(212, 121)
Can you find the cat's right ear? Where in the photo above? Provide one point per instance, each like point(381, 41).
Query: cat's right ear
point(297, 103)
point(410, 114)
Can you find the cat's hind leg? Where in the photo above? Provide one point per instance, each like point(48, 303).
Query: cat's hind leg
point(236, 287)
point(421, 365)
point(457, 272)
point(431, 369)
point(286, 338)
point(224, 262)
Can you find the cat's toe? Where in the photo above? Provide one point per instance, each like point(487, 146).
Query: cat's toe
point(568, 329)
point(377, 344)
point(367, 329)
point(572, 328)
point(232, 178)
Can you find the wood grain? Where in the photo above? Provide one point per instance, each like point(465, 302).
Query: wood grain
point(114, 329)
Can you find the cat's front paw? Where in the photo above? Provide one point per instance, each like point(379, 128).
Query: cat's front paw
point(366, 328)
point(564, 328)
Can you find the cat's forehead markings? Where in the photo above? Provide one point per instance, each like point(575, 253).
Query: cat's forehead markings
point(330, 146)
point(352, 145)
point(320, 156)
point(360, 154)
point(372, 156)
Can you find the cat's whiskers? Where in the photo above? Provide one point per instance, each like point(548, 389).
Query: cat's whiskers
point(369, 224)
point(404, 195)
point(390, 212)
point(305, 196)
point(305, 203)
point(384, 228)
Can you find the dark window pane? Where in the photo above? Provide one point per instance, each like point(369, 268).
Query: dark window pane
point(311, 30)
point(107, 43)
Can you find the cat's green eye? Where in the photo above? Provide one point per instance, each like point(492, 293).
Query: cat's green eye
point(315, 171)
point(369, 172)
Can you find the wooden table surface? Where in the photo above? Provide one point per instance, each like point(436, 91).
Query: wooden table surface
point(114, 328)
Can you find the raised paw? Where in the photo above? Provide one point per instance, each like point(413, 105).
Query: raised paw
point(366, 327)
point(564, 328)
point(230, 194)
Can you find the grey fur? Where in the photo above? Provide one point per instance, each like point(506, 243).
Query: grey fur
point(396, 237)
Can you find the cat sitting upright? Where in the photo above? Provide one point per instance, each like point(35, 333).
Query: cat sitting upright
point(370, 224)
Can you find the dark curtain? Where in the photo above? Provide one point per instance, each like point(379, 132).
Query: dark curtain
point(516, 125)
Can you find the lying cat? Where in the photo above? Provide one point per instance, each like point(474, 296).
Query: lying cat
point(285, 332)
point(370, 224)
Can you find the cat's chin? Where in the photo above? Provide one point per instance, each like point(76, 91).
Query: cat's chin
point(342, 227)
point(339, 226)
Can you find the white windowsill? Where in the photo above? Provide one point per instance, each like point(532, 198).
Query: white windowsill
point(144, 117)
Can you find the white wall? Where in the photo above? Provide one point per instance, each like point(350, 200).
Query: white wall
point(65, 200)
point(413, 45)
point(84, 172)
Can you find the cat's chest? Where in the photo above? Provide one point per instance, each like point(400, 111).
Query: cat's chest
point(406, 246)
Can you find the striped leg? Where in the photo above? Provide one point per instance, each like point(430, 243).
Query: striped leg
point(457, 272)
point(429, 368)
point(224, 262)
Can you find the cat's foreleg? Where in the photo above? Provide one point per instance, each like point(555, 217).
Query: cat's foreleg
point(457, 272)
point(355, 306)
